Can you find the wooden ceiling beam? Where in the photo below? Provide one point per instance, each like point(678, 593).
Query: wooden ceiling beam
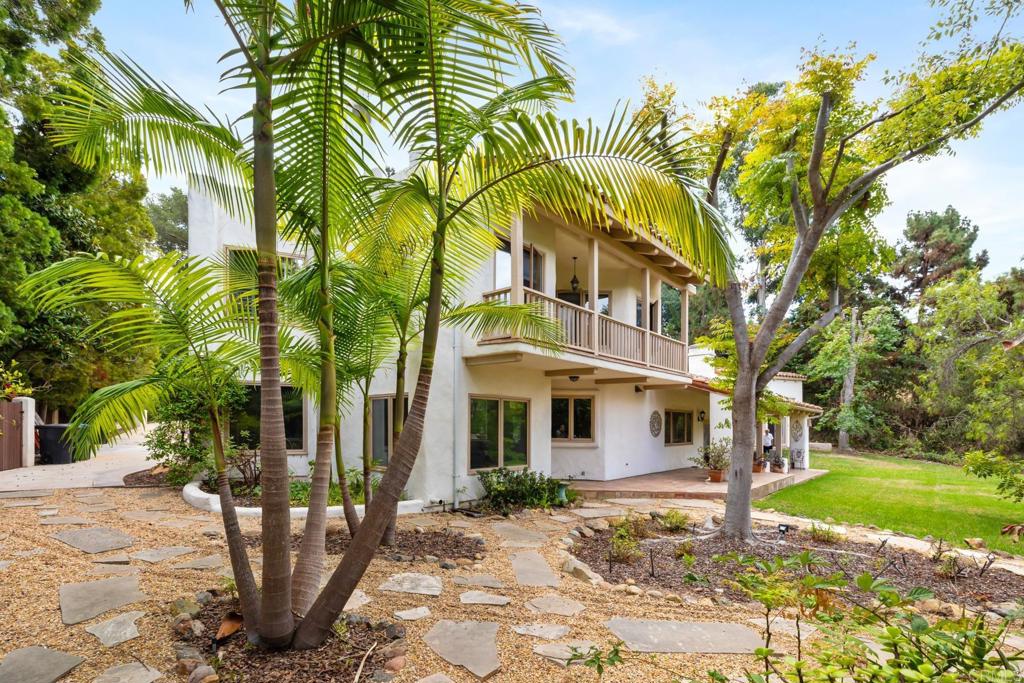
point(569, 372)
point(622, 380)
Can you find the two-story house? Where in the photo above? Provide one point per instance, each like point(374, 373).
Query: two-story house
point(623, 398)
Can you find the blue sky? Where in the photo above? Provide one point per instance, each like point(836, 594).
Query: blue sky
point(705, 48)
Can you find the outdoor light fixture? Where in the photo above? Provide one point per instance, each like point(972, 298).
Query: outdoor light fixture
point(574, 283)
point(574, 378)
point(701, 415)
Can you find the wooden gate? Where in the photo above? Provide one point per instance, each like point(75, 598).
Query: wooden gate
point(11, 416)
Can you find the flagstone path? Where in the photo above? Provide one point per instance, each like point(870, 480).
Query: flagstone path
point(36, 665)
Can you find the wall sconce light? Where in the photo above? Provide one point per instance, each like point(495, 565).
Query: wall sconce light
point(701, 415)
point(574, 378)
point(574, 283)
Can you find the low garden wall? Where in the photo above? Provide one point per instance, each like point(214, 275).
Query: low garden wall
point(210, 502)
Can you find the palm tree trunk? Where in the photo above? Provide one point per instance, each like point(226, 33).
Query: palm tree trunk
point(248, 593)
point(351, 516)
point(276, 620)
point(397, 421)
point(316, 627)
point(367, 447)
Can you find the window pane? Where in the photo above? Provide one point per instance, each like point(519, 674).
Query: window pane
point(483, 433)
point(245, 422)
point(559, 418)
point(516, 432)
point(527, 267)
point(604, 304)
point(379, 428)
point(503, 266)
point(688, 422)
point(582, 418)
point(293, 426)
point(538, 270)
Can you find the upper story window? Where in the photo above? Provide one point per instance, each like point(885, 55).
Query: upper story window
point(582, 298)
point(678, 428)
point(572, 418)
point(533, 266)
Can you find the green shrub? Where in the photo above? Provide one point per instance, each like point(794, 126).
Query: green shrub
point(624, 547)
point(635, 525)
point(508, 490)
point(674, 521)
point(824, 534)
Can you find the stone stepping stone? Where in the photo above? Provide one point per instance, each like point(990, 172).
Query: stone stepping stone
point(119, 558)
point(470, 644)
point(129, 673)
point(482, 580)
point(545, 631)
point(695, 637)
point(515, 536)
point(596, 513)
point(483, 598)
point(531, 569)
point(113, 570)
point(155, 555)
point(118, 629)
point(144, 516)
point(91, 500)
point(24, 504)
point(82, 601)
point(356, 600)
point(29, 553)
point(102, 507)
point(564, 519)
point(97, 539)
point(175, 523)
point(545, 525)
point(411, 582)
point(436, 678)
point(37, 665)
point(414, 614)
point(782, 625)
point(4, 564)
point(47, 512)
point(555, 604)
point(53, 521)
point(561, 653)
point(36, 493)
point(207, 562)
point(460, 524)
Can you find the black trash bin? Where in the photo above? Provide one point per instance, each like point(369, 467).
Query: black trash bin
point(52, 446)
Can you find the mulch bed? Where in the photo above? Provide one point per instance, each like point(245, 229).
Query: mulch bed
point(904, 569)
point(154, 476)
point(442, 544)
point(336, 660)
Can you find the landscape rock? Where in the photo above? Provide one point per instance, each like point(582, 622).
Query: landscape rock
point(597, 524)
point(187, 606)
point(356, 600)
point(411, 582)
point(561, 653)
point(481, 580)
point(201, 674)
point(414, 614)
point(470, 644)
point(483, 598)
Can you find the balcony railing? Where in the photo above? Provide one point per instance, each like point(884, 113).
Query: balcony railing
point(616, 340)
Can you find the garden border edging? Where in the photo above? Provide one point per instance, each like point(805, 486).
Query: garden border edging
point(210, 502)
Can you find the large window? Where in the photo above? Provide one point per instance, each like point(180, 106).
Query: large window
point(533, 266)
point(582, 298)
point(572, 418)
point(499, 432)
point(678, 428)
point(245, 423)
point(382, 416)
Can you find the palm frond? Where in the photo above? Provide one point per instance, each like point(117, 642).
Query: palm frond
point(525, 321)
point(112, 411)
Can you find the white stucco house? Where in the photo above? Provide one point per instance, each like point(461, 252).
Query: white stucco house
point(623, 399)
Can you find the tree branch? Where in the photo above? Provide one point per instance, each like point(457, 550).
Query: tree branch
point(716, 172)
point(734, 300)
point(861, 184)
point(794, 346)
point(818, 149)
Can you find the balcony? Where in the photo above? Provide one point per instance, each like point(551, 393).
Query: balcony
point(588, 332)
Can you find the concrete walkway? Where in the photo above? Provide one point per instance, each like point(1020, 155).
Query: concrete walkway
point(107, 468)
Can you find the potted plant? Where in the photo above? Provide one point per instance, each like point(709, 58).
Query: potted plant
point(778, 463)
point(758, 464)
point(716, 459)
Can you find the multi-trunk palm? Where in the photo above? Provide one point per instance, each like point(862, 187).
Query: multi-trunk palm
point(461, 85)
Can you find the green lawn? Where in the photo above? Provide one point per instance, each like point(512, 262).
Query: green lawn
point(914, 497)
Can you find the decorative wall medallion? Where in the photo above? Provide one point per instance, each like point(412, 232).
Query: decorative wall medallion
point(656, 423)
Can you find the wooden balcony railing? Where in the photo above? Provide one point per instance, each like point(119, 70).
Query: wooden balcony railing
point(616, 340)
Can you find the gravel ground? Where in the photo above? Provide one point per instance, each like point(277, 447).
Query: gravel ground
point(31, 615)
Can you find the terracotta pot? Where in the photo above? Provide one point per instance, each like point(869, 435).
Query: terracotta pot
point(758, 467)
point(716, 476)
point(777, 469)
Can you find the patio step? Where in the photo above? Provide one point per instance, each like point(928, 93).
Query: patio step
point(660, 485)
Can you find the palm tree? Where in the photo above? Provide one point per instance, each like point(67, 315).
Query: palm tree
point(483, 159)
point(205, 340)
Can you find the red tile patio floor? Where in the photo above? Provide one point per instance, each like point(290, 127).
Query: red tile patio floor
point(690, 482)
